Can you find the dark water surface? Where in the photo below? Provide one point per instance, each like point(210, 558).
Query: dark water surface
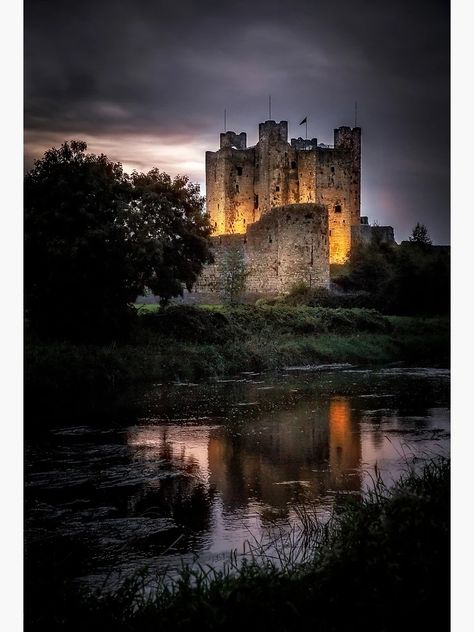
point(200, 470)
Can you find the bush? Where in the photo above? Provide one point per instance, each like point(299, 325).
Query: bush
point(189, 324)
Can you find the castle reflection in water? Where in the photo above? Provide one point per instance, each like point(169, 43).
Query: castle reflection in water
point(262, 466)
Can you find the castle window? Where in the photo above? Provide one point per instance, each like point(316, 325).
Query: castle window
point(239, 171)
point(293, 164)
point(338, 208)
point(255, 201)
point(332, 169)
point(270, 240)
point(237, 188)
point(277, 188)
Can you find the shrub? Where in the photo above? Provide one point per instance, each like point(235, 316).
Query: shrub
point(189, 324)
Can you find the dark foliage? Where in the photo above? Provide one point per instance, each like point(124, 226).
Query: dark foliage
point(95, 238)
point(410, 279)
point(189, 324)
point(420, 235)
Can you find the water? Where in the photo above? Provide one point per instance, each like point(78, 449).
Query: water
point(200, 470)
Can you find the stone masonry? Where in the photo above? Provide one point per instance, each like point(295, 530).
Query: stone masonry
point(287, 245)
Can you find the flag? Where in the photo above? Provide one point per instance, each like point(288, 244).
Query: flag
point(305, 120)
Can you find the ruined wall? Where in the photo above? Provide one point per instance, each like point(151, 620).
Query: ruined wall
point(363, 233)
point(289, 244)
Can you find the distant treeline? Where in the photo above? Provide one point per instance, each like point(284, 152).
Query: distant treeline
point(410, 279)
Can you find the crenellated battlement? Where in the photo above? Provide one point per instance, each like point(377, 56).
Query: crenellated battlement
point(304, 143)
point(271, 131)
point(231, 139)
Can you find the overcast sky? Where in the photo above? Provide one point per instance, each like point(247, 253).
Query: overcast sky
point(147, 81)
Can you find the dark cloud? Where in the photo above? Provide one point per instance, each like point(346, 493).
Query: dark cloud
point(147, 82)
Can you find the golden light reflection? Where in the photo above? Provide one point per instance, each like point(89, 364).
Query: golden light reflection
point(344, 442)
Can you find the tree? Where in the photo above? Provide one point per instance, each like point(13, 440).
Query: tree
point(232, 274)
point(420, 235)
point(173, 211)
point(95, 238)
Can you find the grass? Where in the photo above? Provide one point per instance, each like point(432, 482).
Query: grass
point(185, 343)
point(380, 564)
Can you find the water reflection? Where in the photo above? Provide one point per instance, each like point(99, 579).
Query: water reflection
point(203, 469)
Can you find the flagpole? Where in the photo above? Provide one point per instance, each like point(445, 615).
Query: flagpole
point(306, 128)
point(225, 121)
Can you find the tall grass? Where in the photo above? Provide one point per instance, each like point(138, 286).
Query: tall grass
point(381, 563)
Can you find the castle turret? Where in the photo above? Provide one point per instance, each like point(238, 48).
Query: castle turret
point(272, 166)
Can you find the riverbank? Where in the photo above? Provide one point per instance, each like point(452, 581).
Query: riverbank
point(185, 343)
point(380, 564)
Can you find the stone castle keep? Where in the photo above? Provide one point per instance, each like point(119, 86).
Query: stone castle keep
point(291, 209)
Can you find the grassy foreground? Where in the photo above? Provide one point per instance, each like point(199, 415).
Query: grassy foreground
point(185, 343)
point(381, 564)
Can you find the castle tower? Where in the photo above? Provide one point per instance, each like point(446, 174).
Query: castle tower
point(243, 184)
point(272, 166)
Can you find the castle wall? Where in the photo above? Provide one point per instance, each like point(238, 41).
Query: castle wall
point(289, 244)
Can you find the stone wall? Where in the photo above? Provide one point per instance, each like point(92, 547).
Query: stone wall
point(363, 233)
point(289, 244)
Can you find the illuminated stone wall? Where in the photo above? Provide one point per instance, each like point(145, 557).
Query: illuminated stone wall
point(243, 184)
point(289, 244)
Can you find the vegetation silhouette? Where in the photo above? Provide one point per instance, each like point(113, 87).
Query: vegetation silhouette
point(96, 237)
point(411, 279)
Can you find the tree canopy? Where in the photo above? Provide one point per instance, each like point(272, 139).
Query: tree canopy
point(96, 237)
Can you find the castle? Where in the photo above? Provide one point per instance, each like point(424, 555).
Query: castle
point(291, 209)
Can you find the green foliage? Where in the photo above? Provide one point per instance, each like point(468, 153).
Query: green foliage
point(380, 563)
point(232, 275)
point(95, 238)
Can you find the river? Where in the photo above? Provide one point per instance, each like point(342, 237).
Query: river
point(198, 470)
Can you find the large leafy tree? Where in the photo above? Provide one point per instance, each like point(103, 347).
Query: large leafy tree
point(96, 237)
